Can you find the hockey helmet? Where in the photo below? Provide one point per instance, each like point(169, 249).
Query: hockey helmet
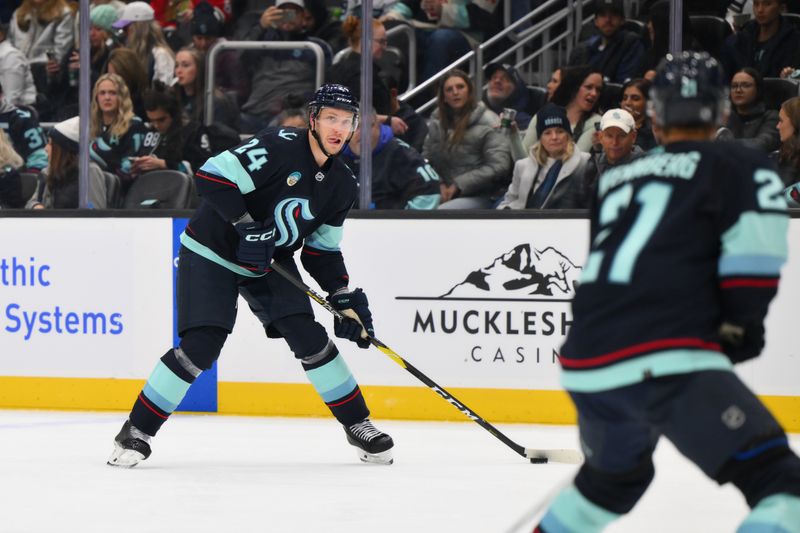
point(333, 95)
point(689, 90)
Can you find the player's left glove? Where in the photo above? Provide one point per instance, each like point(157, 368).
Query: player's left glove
point(356, 308)
point(741, 343)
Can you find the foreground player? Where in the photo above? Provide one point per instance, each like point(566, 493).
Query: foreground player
point(686, 249)
point(264, 197)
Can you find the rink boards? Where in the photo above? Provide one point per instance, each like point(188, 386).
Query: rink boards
point(478, 305)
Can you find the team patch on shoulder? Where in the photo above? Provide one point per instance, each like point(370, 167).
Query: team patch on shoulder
point(293, 178)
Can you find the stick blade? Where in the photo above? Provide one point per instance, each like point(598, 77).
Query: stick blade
point(572, 457)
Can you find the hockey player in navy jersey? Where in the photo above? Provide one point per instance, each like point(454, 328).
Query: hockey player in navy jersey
point(686, 249)
point(283, 190)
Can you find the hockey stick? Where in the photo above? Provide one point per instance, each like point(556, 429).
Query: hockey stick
point(534, 455)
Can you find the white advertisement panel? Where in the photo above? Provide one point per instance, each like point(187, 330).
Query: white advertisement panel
point(84, 297)
point(479, 303)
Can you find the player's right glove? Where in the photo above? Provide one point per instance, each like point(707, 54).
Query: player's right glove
point(741, 343)
point(256, 243)
point(356, 308)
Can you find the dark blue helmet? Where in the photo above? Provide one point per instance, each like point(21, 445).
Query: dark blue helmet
point(333, 95)
point(689, 90)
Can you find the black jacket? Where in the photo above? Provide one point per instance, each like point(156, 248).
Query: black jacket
point(781, 50)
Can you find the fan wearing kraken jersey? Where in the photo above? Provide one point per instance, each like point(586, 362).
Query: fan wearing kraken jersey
point(283, 190)
point(686, 249)
point(26, 134)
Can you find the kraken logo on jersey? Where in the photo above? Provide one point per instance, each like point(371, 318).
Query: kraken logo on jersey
point(293, 178)
point(286, 214)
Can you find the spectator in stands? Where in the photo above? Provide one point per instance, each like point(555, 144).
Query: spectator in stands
point(119, 135)
point(144, 36)
point(551, 176)
point(750, 122)
point(10, 183)
point(553, 83)
point(190, 76)
point(768, 43)
point(229, 75)
point(59, 189)
point(444, 30)
point(614, 51)
point(618, 138)
point(26, 135)
point(401, 178)
point(658, 37)
point(278, 73)
point(507, 89)
point(15, 72)
point(42, 30)
point(634, 101)
point(63, 89)
point(465, 146)
point(292, 117)
point(416, 125)
point(318, 22)
point(579, 93)
point(787, 157)
point(126, 64)
point(347, 71)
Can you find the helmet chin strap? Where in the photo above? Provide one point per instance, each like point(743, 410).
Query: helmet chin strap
point(322, 146)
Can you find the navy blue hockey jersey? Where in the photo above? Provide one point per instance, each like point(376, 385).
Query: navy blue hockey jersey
point(273, 176)
point(27, 137)
point(685, 238)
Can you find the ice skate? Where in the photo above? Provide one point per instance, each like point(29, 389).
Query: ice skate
point(373, 445)
point(131, 446)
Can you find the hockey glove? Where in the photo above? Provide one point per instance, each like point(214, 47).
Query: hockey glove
point(741, 343)
point(256, 243)
point(355, 305)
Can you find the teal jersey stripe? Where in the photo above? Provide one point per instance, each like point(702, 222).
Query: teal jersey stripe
point(571, 512)
point(211, 255)
point(657, 364)
point(758, 265)
point(424, 201)
point(779, 513)
point(757, 234)
point(165, 389)
point(331, 378)
point(37, 159)
point(227, 165)
point(326, 238)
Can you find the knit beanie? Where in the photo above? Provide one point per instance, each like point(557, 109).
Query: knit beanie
point(207, 20)
point(67, 134)
point(552, 116)
point(103, 16)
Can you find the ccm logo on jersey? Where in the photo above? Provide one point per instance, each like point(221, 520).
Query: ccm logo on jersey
point(267, 235)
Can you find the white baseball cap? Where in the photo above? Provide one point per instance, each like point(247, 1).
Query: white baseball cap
point(617, 118)
point(135, 12)
point(301, 3)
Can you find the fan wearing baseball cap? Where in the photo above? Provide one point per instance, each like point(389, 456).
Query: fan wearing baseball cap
point(144, 36)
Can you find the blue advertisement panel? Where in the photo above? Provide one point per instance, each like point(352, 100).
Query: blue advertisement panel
point(202, 395)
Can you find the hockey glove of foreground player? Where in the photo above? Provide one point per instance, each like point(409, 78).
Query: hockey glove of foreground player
point(355, 305)
point(741, 343)
point(256, 243)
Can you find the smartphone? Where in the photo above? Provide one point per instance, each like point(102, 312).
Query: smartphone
point(288, 15)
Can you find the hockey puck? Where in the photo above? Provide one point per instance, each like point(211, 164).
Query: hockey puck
point(538, 460)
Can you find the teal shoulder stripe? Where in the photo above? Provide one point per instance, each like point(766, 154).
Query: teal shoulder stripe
point(757, 234)
point(326, 238)
point(665, 363)
point(750, 264)
point(424, 201)
point(212, 256)
point(228, 165)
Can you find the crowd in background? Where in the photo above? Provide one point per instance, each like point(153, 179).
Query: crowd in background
point(512, 145)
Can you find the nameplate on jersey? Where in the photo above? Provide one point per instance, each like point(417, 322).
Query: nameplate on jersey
point(662, 165)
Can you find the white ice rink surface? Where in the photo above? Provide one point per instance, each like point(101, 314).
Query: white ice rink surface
point(241, 474)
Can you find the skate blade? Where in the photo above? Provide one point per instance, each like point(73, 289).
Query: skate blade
point(381, 458)
point(123, 458)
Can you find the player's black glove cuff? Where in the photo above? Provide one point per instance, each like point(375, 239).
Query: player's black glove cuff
point(256, 243)
point(351, 327)
point(741, 343)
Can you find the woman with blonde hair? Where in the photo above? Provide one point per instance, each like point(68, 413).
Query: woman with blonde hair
point(119, 135)
point(10, 181)
point(551, 177)
point(144, 36)
point(465, 147)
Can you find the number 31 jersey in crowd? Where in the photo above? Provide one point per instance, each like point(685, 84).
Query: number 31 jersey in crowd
point(274, 177)
point(685, 238)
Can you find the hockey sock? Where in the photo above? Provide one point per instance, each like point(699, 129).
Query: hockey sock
point(571, 512)
point(164, 390)
point(330, 376)
point(779, 513)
